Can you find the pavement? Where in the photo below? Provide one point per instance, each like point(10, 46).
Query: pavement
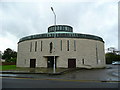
point(109, 74)
point(48, 71)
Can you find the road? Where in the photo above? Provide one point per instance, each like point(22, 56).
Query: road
point(54, 83)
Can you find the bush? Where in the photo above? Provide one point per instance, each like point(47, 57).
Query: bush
point(11, 60)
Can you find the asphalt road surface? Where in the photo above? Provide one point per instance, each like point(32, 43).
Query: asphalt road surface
point(52, 83)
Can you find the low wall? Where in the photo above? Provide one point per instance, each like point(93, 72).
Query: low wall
point(8, 63)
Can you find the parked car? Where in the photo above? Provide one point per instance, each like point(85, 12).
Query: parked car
point(116, 63)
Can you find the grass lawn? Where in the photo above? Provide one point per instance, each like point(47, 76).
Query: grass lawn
point(7, 67)
point(27, 69)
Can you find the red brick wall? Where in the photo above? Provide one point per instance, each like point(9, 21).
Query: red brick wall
point(8, 63)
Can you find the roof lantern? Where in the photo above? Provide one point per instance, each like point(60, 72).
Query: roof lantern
point(60, 28)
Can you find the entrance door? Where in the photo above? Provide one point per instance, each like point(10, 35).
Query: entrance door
point(71, 63)
point(50, 62)
point(32, 63)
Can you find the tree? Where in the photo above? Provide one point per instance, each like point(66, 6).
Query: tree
point(9, 55)
point(110, 57)
point(0, 55)
point(118, 57)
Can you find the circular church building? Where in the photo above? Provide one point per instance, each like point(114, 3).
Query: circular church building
point(62, 48)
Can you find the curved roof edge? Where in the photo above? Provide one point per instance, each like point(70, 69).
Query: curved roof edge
point(61, 35)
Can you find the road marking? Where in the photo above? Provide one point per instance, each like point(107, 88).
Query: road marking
point(67, 80)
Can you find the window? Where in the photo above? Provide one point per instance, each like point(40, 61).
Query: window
point(55, 28)
point(67, 45)
point(63, 28)
point(41, 45)
point(61, 45)
point(35, 46)
point(96, 54)
point(66, 28)
point(83, 62)
point(51, 46)
point(74, 45)
point(31, 47)
point(25, 61)
point(60, 27)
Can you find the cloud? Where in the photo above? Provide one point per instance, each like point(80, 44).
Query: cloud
point(19, 19)
point(8, 41)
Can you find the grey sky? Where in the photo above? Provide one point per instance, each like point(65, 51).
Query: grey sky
point(19, 19)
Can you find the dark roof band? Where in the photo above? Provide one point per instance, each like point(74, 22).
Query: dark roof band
point(61, 35)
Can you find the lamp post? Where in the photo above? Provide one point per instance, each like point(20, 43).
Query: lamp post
point(54, 38)
point(54, 15)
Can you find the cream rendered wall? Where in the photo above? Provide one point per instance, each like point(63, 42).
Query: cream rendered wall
point(85, 49)
point(101, 54)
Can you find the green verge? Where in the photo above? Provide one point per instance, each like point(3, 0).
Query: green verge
point(7, 67)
